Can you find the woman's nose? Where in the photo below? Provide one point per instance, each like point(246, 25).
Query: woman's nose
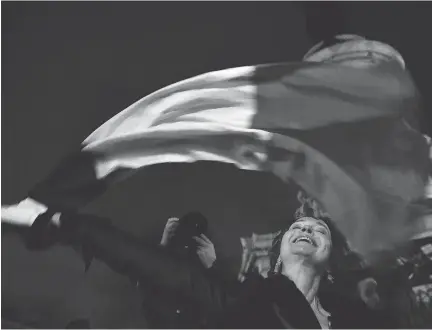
point(307, 229)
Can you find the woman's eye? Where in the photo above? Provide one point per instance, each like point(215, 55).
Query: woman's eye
point(322, 231)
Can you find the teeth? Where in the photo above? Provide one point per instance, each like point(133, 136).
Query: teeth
point(304, 238)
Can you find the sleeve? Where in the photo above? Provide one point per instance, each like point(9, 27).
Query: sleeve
point(130, 256)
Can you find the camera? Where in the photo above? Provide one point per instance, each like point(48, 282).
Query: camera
point(190, 225)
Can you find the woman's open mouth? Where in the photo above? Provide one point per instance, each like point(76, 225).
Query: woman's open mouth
point(305, 239)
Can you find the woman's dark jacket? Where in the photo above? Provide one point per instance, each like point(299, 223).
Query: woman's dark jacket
point(274, 302)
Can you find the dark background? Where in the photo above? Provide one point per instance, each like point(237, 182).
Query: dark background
point(68, 67)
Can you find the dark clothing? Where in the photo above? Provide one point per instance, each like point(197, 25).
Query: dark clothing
point(79, 324)
point(274, 302)
point(164, 309)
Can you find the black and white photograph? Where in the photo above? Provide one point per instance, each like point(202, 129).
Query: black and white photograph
point(216, 165)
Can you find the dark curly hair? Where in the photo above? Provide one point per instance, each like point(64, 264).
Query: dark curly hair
point(340, 253)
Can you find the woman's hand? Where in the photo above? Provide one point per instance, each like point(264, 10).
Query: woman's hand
point(205, 250)
point(22, 214)
point(367, 289)
point(18, 215)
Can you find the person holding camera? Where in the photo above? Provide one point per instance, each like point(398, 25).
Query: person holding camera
point(184, 238)
point(201, 245)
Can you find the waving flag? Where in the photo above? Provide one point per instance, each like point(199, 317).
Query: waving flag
point(338, 126)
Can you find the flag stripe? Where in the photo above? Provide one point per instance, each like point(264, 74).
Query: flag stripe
point(229, 88)
point(72, 184)
point(309, 95)
point(244, 148)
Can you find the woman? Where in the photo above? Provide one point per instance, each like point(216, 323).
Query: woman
point(304, 256)
point(314, 255)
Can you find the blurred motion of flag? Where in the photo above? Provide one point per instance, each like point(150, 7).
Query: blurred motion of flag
point(343, 133)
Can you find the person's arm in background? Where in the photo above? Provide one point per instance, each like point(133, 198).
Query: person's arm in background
point(214, 269)
point(126, 254)
point(169, 231)
point(205, 251)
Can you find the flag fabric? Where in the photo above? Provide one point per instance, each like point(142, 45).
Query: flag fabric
point(341, 131)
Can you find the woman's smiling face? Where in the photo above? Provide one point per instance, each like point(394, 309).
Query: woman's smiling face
point(307, 237)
